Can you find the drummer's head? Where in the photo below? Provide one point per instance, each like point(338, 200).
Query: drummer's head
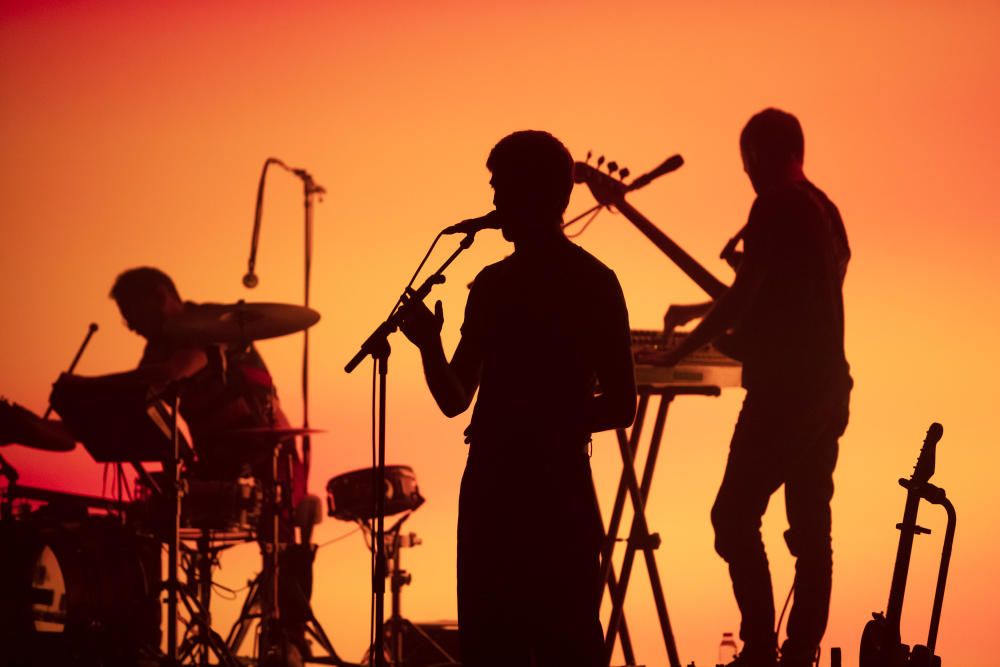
point(532, 177)
point(146, 297)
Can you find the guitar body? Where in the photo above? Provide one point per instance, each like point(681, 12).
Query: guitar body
point(880, 646)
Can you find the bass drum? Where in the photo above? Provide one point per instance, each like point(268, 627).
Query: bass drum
point(77, 593)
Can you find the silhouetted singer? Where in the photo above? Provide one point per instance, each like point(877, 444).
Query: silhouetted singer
point(785, 321)
point(540, 327)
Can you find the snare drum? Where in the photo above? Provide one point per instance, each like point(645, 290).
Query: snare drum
point(349, 496)
point(230, 505)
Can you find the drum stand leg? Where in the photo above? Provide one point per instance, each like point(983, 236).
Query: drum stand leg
point(173, 483)
point(251, 612)
point(196, 598)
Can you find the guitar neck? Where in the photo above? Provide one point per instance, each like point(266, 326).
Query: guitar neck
point(897, 589)
point(695, 271)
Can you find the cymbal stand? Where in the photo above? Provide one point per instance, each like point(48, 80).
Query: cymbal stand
point(172, 469)
point(377, 346)
point(263, 597)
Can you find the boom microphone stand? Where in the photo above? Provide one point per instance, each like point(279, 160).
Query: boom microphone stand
point(310, 189)
point(377, 346)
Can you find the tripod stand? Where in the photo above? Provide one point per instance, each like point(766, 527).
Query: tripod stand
point(196, 597)
point(399, 628)
point(252, 611)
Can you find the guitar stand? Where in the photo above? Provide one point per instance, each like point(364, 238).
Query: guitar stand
point(639, 536)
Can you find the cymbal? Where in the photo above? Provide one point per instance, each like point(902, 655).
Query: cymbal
point(276, 431)
point(21, 426)
point(239, 322)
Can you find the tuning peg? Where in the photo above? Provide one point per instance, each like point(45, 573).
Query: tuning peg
point(600, 160)
point(612, 167)
point(623, 174)
point(589, 154)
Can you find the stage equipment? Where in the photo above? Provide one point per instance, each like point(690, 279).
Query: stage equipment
point(610, 192)
point(349, 498)
point(701, 374)
point(349, 495)
point(377, 346)
point(881, 645)
point(237, 323)
point(310, 190)
point(76, 585)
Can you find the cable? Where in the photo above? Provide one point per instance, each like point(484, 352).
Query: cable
point(777, 629)
point(338, 538)
point(585, 224)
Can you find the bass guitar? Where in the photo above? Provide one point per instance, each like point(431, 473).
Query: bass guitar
point(609, 191)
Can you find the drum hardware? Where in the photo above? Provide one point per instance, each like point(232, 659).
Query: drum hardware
point(238, 323)
point(224, 510)
point(349, 498)
point(349, 495)
point(76, 588)
point(253, 609)
point(196, 596)
point(398, 628)
point(265, 590)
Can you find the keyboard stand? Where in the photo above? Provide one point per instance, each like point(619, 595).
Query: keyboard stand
point(639, 537)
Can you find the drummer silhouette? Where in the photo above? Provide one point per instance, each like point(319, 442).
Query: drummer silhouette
point(222, 389)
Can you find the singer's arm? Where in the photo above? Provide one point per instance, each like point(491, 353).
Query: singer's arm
point(454, 383)
point(614, 406)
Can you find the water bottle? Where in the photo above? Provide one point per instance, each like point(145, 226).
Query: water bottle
point(727, 649)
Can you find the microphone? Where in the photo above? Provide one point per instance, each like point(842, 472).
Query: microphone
point(670, 164)
point(250, 279)
point(491, 220)
point(312, 186)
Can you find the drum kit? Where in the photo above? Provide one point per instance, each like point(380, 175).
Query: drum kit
point(81, 576)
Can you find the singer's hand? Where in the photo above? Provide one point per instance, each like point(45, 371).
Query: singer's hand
point(420, 325)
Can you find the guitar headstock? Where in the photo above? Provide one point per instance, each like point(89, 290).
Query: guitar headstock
point(607, 190)
point(924, 470)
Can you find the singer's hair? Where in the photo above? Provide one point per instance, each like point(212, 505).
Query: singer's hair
point(539, 162)
point(774, 136)
point(140, 282)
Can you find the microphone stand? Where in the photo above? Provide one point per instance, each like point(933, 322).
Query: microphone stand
point(377, 346)
point(309, 189)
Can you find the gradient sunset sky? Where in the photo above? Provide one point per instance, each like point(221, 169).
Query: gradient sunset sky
point(134, 133)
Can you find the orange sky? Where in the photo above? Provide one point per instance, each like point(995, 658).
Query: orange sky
point(133, 133)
